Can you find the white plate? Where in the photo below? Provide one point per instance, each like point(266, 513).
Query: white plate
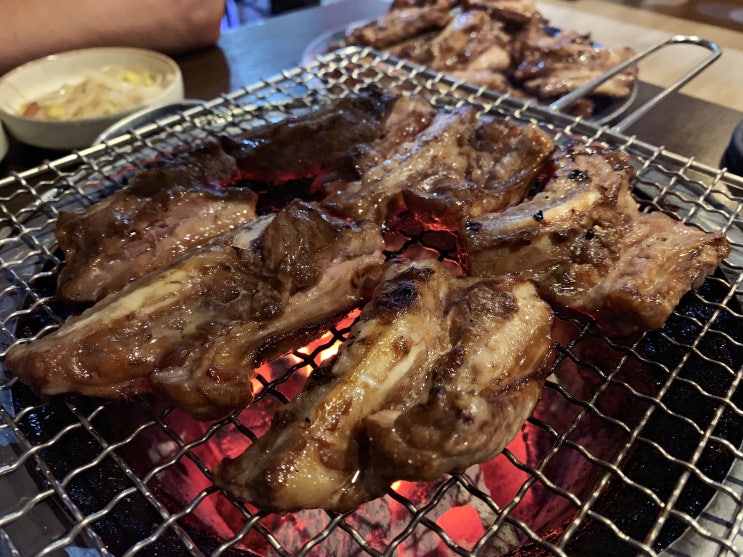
point(321, 44)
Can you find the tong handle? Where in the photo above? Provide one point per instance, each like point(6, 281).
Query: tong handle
point(632, 117)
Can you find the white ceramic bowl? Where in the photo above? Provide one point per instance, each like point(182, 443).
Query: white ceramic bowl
point(34, 79)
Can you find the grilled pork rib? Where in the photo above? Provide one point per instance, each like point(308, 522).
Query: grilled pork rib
point(505, 45)
point(587, 246)
point(184, 200)
point(309, 143)
point(507, 158)
point(439, 373)
point(176, 205)
point(518, 12)
point(195, 331)
point(456, 164)
point(471, 41)
point(398, 23)
point(441, 150)
point(552, 65)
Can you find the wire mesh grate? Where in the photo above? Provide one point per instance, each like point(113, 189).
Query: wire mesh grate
point(633, 450)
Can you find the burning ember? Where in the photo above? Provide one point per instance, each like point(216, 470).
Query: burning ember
point(291, 371)
point(463, 511)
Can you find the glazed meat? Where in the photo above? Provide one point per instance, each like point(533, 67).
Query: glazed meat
point(504, 45)
point(508, 158)
point(406, 117)
point(441, 150)
point(473, 47)
point(195, 331)
point(398, 24)
point(184, 200)
point(493, 80)
point(518, 12)
point(321, 140)
point(587, 246)
point(439, 373)
point(176, 205)
point(472, 40)
point(456, 164)
point(552, 65)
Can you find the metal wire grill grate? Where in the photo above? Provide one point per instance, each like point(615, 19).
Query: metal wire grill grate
point(634, 449)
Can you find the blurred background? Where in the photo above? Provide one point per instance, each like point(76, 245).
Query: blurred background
point(239, 12)
point(726, 13)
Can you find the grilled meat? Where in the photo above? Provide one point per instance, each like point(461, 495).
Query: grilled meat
point(587, 246)
point(505, 45)
point(441, 150)
point(457, 162)
point(472, 40)
point(508, 157)
point(493, 80)
point(184, 200)
point(174, 206)
point(552, 65)
point(481, 390)
point(439, 373)
point(321, 140)
point(406, 117)
point(472, 47)
point(519, 12)
point(194, 331)
point(397, 24)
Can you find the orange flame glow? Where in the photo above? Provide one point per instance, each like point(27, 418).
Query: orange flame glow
point(304, 359)
point(463, 525)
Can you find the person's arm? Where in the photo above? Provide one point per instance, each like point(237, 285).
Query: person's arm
point(34, 28)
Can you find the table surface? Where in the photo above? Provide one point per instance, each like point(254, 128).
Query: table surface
point(697, 122)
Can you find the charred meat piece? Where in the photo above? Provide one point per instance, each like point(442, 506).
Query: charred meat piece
point(310, 455)
point(504, 45)
point(399, 24)
point(176, 205)
point(472, 40)
point(307, 144)
point(405, 118)
point(439, 373)
point(635, 295)
point(552, 65)
point(587, 246)
point(481, 390)
point(414, 48)
point(519, 12)
point(195, 331)
point(456, 164)
point(441, 150)
point(508, 158)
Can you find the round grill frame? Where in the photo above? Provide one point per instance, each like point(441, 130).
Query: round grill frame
point(46, 478)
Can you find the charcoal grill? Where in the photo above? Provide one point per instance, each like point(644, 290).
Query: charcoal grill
point(635, 448)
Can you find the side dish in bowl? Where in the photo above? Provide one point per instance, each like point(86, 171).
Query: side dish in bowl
point(64, 101)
